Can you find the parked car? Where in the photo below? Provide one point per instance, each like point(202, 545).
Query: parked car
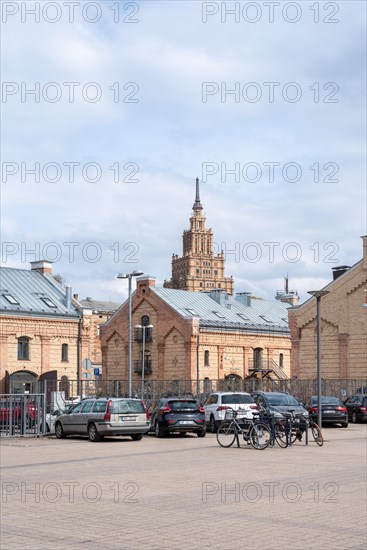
point(278, 403)
point(357, 408)
point(177, 414)
point(217, 403)
point(333, 411)
point(12, 409)
point(104, 416)
point(51, 418)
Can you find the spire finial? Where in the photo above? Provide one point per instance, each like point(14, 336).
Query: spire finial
point(197, 203)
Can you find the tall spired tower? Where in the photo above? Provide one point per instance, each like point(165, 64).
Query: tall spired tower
point(198, 268)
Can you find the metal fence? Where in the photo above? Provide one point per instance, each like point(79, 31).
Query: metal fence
point(301, 389)
point(22, 414)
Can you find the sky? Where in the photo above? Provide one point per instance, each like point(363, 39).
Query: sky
point(110, 110)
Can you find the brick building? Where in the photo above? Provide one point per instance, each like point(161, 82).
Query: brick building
point(198, 268)
point(101, 312)
point(343, 327)
point(218, 334)
point(43, 333)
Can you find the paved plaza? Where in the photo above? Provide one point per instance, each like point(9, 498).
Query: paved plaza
point(183, 493)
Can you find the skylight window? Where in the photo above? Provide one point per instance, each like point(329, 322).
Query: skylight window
point(243, 317)
point(191, 311)
point(220, 315)
point(11, 299)
point(48, 302)
point(265, 319)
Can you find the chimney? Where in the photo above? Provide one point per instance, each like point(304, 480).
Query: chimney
point(340, 270)
point(219, 296)
point(42, 266)
point(244, 298)
point(68, 297)
point(143, 283)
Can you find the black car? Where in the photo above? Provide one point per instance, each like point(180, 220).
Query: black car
point(279, 403)
point(357, 407)
point(333, 411)
point(177, 414)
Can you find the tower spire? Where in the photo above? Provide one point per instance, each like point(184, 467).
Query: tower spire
point(197, 204)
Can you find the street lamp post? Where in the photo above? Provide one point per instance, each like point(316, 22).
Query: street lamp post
point(129, 276)
point(143, 327)
point(318, 294)
point(198, 367)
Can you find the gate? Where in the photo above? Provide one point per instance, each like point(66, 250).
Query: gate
point(22, 414)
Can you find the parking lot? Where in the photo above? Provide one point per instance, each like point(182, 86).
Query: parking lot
point(183, 492)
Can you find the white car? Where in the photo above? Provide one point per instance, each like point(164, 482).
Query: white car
point(216, 405)
point(51, 418)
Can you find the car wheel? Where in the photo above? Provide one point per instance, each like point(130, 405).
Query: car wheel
point(354, 417)
point(344, 424)
point(60, 434)
point(137, 437)
point(202, 433)
point(93, 433)
point(158, 431)
point(213, 427)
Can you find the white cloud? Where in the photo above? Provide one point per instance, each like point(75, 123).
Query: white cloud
point(170, 132)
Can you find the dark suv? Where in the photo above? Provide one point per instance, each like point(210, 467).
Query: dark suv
point(279, 403)
point(357, 407)
point(177, 414)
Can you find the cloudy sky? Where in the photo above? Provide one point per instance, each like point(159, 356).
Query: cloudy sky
point(110, 110)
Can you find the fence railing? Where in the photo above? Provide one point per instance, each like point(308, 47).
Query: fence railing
point(153, 389)
point(22, 414)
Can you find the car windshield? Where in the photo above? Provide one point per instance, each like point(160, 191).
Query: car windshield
point(127, 406)
point(183, 404)
point(281, 399)
point(236, 398)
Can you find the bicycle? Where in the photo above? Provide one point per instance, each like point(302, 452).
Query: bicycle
point(298, 426)
point(277, 427)
point(254, 432)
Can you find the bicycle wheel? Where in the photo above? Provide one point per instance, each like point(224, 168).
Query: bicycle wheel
point(226, 434)
point(317, 434)
point(260, 436)
point(281, 436)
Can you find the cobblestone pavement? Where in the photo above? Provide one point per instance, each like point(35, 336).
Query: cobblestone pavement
point(183, 492)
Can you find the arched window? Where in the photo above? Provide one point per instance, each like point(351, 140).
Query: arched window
point(64, 352)
point(23, 348)
point(258, 358)
point(206, 358)
point(145, 320)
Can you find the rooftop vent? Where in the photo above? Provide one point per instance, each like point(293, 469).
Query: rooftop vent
point(339, 270)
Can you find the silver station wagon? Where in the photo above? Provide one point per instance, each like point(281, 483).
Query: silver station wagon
point(102, 417)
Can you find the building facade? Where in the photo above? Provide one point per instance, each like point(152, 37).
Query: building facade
point(198, 268)
point(211, 335)
point(343, 327)
point(43, 333)
point(101, 312)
